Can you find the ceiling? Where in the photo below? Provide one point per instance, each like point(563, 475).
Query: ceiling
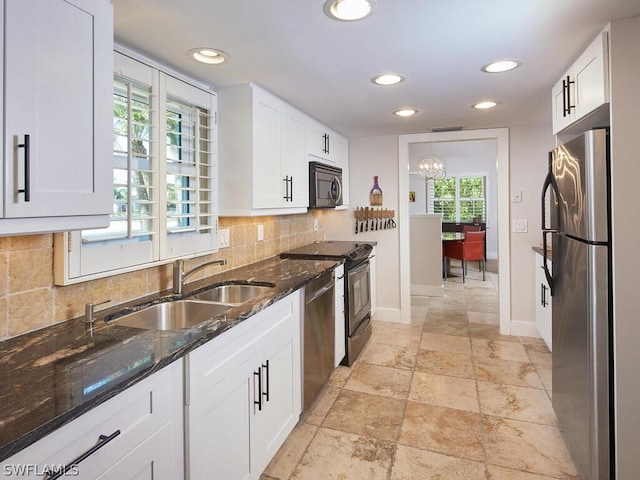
point(324, 67)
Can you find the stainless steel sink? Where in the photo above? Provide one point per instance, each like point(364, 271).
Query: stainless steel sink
point(172, 315)
point(232, 294)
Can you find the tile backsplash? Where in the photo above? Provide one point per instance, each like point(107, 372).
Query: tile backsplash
point(29, 300)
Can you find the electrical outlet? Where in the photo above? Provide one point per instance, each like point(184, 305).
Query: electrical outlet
point(316, 225)
point(260, 233)
point(517, 196)
point(223, 238)
point(520, 225)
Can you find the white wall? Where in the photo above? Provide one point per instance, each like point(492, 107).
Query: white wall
point(625, 174)
point(530, 148)
point(371, 156)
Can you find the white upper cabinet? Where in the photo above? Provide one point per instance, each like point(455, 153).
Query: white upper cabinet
point(584, 87)
point(57, 94)
point(263, 167)
point(327, 146)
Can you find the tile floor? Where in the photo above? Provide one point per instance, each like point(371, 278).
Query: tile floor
point(446, 397)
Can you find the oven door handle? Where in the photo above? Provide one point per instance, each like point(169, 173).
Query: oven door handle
point(361, 267)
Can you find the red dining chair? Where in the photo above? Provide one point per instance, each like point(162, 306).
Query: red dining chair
point(471, 248)
point(471, 228)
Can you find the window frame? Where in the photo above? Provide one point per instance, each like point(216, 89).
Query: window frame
point(77, 261)
point(431, 199)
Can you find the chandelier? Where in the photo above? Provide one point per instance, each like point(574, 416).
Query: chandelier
point(431, 167)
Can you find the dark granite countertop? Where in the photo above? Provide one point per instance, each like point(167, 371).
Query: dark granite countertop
point(539, 251)
point(51, 376)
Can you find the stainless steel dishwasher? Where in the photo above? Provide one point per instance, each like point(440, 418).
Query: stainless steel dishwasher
point(318, 335)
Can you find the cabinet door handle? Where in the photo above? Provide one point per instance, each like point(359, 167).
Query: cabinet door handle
point(259, 390)
point(102, 441)
point(266, 392)
point(288, 194)
point(328, 143)
point(27, 168)
point(543, 295)
point(567, 104)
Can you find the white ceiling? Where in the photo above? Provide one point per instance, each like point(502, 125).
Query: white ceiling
point(324, 67)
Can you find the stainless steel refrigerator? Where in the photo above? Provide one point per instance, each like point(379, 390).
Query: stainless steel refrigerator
point(580, 282)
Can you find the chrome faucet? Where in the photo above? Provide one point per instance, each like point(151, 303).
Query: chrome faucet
point(179, 275)
point(89, 314)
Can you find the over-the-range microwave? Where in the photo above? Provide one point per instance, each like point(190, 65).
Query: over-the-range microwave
point(325, 185)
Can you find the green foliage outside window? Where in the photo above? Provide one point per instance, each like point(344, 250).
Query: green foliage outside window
point(459, 199)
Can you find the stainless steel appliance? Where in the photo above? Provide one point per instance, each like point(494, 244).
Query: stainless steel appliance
point(318, 334)
point(357, 288)
point(325, 185)
point(581, 300)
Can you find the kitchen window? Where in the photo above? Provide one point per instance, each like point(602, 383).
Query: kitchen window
point(164, 178)
point(461, 198)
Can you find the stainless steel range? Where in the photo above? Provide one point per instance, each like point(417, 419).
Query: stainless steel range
point(357, 288)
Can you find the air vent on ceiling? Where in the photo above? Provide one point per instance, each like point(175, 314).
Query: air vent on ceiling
point(447, 129)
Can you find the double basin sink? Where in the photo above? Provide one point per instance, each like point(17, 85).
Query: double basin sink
point(198, 308)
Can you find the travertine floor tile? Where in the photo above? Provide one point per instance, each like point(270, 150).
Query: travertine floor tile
point(291, 452)
point(489, 332)
point(414, 464)
point(445, 391)
point(439, 314)
point(443, 430)
point(445, 343)
point(497, 349)
point(525, 446)
point(446, 326)
point(445, 363)
point(520, 403)
point(501, 473)
point(485, 318)
point(506, 371)
point(539, 354)
point(397, 334)
point(544, 371)
point(396, 356)
point(339, 376)
point(378, 380)
point(365, 414)
point(319, 409)
point(334, 455)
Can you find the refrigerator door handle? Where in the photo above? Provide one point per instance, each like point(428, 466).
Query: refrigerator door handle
point(549, 181)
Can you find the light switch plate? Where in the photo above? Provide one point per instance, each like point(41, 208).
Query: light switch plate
point(223, 238)
point(520, 225)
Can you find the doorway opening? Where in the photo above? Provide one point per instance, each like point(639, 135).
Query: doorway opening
point(496, 140)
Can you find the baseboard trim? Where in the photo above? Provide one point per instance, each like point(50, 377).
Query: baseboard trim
point(427, 290)
point(392, 315)
point(521, 328)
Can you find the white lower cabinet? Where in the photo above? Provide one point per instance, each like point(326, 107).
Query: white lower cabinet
point(244, 394)
point(139, 430)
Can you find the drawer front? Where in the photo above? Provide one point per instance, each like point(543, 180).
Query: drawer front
point(136, 414)
point(212, 362)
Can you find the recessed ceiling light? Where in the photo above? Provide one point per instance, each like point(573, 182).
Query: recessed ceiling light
point(387, 79)
point(484, 105)
point(207, 55)
point(500, 66)
point(349, 10)
point(405, 112)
